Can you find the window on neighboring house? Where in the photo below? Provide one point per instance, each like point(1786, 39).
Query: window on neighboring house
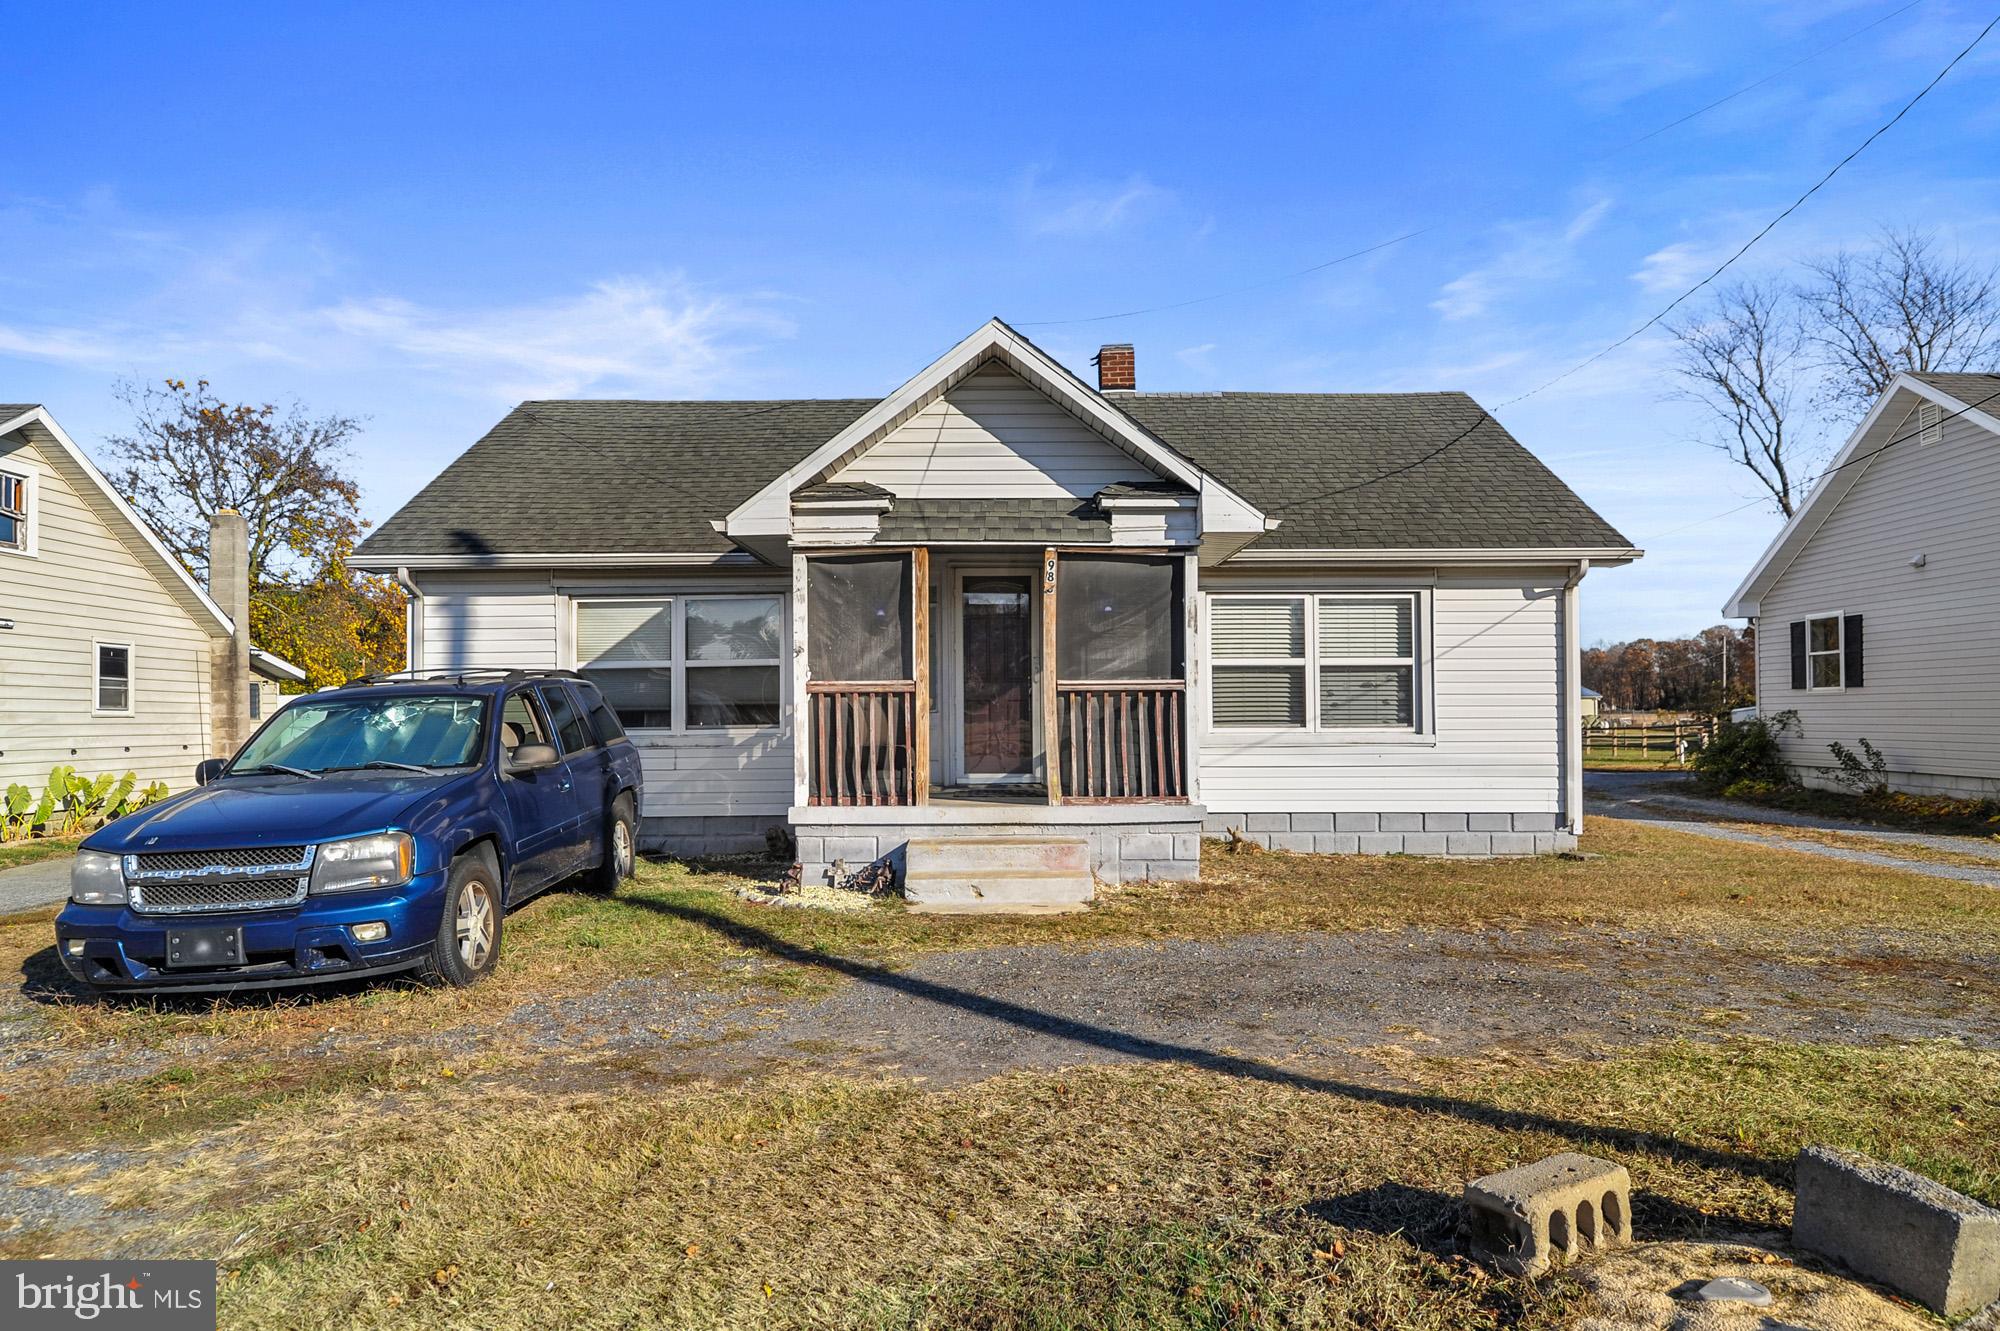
point(114, 677)
point(256, 702)
point(13, 511)
point(1823, 653)
point(1330, 663)
point(684, 663)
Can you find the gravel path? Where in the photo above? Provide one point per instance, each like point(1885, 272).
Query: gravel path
point(973, 1014)
point(1657, 797)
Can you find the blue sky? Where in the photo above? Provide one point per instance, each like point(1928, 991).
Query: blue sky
point(410, 214)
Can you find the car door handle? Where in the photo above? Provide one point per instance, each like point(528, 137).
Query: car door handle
point(563, 784)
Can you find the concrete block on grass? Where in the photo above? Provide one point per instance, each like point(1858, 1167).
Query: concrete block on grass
point(1524, 1219)
point(1914, 1235)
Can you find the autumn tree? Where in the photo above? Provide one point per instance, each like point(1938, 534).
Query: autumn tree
point(190, 455)
point(1710, 671)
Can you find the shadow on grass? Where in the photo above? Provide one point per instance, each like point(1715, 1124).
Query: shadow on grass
point(1143, 1047)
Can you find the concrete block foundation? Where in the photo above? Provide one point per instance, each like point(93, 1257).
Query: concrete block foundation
point(1524, 1219)
point(689, 838)
point(1122, 842)
point(1937, 1246)
point(1467, 834)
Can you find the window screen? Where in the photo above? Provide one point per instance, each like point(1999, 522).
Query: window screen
point(1367, 662)
point(1259, 645)
point(859, 610)
point(627, 650)
point(114, 679)
point(1117, 618)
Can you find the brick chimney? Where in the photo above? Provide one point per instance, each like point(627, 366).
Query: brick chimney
point(229, 584)
point(1117, 372)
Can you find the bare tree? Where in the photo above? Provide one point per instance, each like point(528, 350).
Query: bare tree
point(1746, 362)
point(1899, 307)
point(191, 454)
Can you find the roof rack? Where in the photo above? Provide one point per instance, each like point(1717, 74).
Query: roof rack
point(471, 675)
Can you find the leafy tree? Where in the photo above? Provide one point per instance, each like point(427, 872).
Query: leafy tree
point(1677, 674)
point(190, 455)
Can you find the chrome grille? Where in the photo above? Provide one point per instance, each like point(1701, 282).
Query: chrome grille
point(180, 882)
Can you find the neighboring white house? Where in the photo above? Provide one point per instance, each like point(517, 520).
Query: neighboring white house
point(1878, 605)
point(1001, 600)
point(112, 658)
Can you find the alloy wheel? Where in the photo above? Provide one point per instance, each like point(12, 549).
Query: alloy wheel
point(475, 925)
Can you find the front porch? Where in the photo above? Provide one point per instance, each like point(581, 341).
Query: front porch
point(994, 691)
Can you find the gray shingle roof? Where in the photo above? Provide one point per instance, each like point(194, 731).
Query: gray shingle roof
point(9, 410)
point(1342, 470)
point(1059, 521)
point(1967, 388)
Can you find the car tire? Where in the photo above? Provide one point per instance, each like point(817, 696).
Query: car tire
point(467, 946)
point(621, 848)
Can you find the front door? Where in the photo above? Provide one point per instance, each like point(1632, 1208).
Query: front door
point(996, 655)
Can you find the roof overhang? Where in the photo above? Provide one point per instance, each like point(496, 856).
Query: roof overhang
point(1606, 557)
point(61, 453)
point(390, 563)
point(275, 667)
point(1875, 433)
point(763, 522)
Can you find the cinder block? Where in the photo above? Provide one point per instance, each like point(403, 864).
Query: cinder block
point(1145, 846)
point(1937, 1246)
point(1220, 822)
point(1312, 822)
point(1534, 822)
point(1357, 822)
point(1268, 822)
point(1402, 822)
point(1514, 843)
point(1336, 843)
point(1444, 822)
point(1424, 843)
point(1545, 842)
point(1172, 871)
point(1379, 843)
point(1523, 1219)
point(1468, 843)
point(1490, 822)
point(858, 851)
point(1187, 846)
point(1298, 842)
point(1564, 840)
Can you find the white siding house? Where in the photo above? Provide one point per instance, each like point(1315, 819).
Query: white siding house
point(1001, 601)
point(1878, 605)
point(108, 649)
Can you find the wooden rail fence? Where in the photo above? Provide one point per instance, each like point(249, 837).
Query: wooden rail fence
point(1121, 741)
point(864, 739)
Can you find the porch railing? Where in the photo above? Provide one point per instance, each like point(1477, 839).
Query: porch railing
point(864, 742)
point(1120, 741)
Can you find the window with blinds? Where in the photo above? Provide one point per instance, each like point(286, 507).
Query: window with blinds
point(1286, 662)
point(684, 663)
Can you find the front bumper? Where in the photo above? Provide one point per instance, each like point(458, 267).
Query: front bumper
point(303, 944)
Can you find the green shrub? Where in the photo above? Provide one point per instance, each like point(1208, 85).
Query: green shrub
point(1746, 751)
point(71, 803)
point(1866, 773)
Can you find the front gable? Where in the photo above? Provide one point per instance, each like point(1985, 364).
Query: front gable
point(993, 418)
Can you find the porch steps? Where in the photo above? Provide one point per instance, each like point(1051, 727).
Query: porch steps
point(997, 874)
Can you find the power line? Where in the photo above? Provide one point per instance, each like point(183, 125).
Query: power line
point(1411, 235)
point(1869, 456)
point(1767, 228)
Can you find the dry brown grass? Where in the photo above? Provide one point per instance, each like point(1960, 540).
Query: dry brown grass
point(1977, 856)
point(1130, 1196)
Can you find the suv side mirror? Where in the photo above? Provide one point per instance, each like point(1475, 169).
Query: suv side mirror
point(533, 757)
point(209, 769)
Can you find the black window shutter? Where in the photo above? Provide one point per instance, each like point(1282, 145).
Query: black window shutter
point(1850, 643)
point(1798, 653)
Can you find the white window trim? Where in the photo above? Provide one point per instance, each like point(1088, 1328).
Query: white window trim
point(677, 603)
point(97, 647)
point(1421, 731)
point(30, 500)
point(1839, 652)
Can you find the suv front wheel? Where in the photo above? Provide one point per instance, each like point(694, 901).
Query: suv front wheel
point(468, 939)
point(621, 855)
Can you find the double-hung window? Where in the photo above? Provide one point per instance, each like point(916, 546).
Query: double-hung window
point(1823, 653)
point(114, 677)
point(1342, 662)
point(13, 511)
point(685, 663)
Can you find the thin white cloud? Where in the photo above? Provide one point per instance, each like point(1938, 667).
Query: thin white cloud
point(1535, 253)
point(1090, 209)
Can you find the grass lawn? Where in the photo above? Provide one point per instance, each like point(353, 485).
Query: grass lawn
point(1608, 762)
point(15, 853)
point(400, 1157)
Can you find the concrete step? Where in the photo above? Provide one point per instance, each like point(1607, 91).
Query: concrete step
point(965, 875)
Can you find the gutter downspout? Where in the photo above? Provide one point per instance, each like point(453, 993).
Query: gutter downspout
point(1572, 709)
point(413, 619)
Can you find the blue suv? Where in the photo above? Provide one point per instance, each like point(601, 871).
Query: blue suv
point(386, 825)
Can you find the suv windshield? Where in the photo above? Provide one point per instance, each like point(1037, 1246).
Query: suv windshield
point(324, 734)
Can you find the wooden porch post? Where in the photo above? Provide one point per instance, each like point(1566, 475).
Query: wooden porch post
point(920, 654)
point(803, 740)
point(1051, 706)
point(1194, 695)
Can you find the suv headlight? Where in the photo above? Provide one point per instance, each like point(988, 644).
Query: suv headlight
point(97, 879)
point(359, 863)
